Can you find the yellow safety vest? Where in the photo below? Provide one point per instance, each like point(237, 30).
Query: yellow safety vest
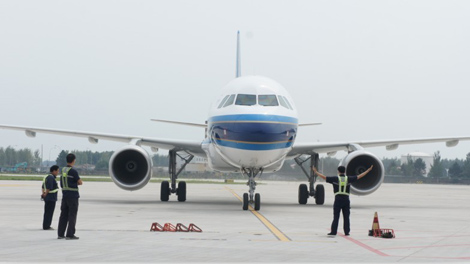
point(342, 185)
point(63, 179)
point(44, 185)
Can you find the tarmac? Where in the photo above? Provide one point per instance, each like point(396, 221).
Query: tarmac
point(431, 224)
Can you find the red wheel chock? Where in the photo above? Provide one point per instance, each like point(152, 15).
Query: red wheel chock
point(168, 227)
point(156, 227)
point(181, 228)
point(194, 228)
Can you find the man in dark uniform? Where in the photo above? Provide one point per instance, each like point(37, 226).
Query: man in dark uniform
point(341, 188)
point(49, 195)
point(69, 181)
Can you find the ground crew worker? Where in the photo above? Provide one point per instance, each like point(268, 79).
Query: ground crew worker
point(49, 195)
point(341, 188)
point(69, 181)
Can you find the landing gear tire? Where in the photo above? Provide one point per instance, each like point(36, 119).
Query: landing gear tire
point(181, 192)
point(165, 191)
point(245, 201)
point(319, 194)
point(303, 194)
point(257, 201)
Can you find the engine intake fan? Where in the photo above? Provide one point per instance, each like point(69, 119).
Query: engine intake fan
point(130, 167)
point(359, 161)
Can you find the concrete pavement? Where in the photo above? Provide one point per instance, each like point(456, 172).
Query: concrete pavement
point(432, 224)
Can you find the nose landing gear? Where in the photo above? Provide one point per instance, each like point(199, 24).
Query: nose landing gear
point(251, 197)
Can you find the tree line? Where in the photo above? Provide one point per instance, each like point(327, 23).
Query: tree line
point(441, 168)
point(9, 157)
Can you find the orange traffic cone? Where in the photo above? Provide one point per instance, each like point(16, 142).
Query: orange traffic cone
point(375, 225)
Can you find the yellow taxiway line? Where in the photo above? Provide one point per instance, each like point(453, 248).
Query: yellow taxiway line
point(276, 232)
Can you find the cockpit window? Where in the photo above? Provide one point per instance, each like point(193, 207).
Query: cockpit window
point(283, 102)
point(267, 100)
point(229, 100)
point(287, 101)
point(223, 101)
point(246, 99)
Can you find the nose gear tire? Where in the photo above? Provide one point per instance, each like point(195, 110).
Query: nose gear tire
point(245, 201)
point(257, 201)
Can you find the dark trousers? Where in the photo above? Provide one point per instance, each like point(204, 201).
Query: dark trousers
point(49, 207)
point(68, 217)
point(341, 204)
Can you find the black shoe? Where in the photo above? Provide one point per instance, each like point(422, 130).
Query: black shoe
point(72, 238)
point(347, 234)
point(331, 234)
point(50, 228)
point(60, 237)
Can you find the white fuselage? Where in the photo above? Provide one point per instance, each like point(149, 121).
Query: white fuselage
point(252, 124)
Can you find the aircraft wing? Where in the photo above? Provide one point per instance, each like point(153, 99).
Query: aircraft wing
point(190, 146)
point(325, 147)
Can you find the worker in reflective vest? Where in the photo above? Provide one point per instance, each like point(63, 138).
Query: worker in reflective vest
point(341, 188)
point(69, 181)
point(49, 195)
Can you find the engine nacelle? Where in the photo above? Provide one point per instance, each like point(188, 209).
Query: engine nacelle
point(359, 161)
point(130, 167)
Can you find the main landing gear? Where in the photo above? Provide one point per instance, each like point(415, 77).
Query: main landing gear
point(251, 197)
point(166, 189)
point(305, 192)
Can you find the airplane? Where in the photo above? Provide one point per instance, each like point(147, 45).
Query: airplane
point(251, 129)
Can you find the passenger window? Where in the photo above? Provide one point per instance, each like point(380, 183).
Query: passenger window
point(283, 102)
point(287, 101)
point(223, 101)
point(246, 99)
point(230, 100)
point(267, 100)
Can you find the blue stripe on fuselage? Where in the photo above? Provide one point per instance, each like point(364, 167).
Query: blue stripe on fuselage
point(253, 132)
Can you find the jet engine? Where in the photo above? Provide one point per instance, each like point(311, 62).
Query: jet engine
point(359, 161)
point(130, 167)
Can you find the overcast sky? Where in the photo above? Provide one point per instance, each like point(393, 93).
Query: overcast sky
point(369, 70)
